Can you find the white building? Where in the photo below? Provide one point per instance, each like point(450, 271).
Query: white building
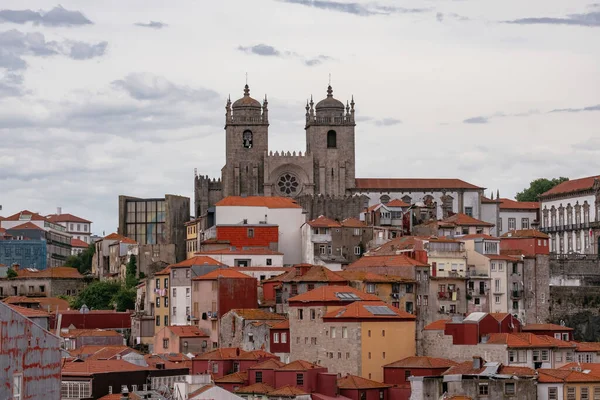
point(570, 215)
point(517, 215)
point(78, 227)
point(246, 256)
point(281, 211)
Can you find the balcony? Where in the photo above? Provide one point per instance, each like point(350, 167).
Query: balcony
point(448, 295)
point(516, 294)
point(321, 238)
point(478, 292)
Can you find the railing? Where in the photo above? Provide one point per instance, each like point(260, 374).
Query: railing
point(516, 294)
point(321, 238)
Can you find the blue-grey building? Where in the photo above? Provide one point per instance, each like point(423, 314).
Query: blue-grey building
point(27, 253)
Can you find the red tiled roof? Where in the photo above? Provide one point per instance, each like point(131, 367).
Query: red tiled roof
point(53, 273)
point(527, 340)
point(271, 363)
point(262, 269)
point(79, 243)
point(258, 201)
point(66, 218)
point(92, 367)
point(398, 244)
point(486, 200)
point(222, 273)
point(570, 186)
point(281, 325)
point(187, 331)
point(590, 369)
point(236, 377)
point(198, 260)
point(358, 382)
point(245, 251)
point(526, 233)
point(287, 391)
point(564, 376)
point(588, 346)
point(329, 294)
point(517, 371)
point(120, 238)
point(324, 222)
point(499, 316)
point(422, 362)
point(25, 214)
point(257, 388)
point(100, 352)
point(114, 396)
point(256, 314)
point(169, 361)
point(257, 355)
point(89, 333)
point(438, 325)
point(461, 219)
point(316, 273)
point(478, 236)
point(398, 260)
point(299, 365)
point(222, 353)
point(466, 368)
point(20, 300)
point(353, 223)
point(412, 183)
point(545, 327)
point(29, 312)
point(365, 276)
point(359, 310)
point(397, 203)
point(505, 257)
point(164, 271)
point(26, 226)
point(508, 204)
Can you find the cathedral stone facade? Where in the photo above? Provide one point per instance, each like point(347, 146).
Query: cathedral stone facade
point(322, 179)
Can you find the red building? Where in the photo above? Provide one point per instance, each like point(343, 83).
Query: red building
point(232, 382)
point(262, 235)
point(529, 242)
point(478, 324)
point(92, 319)
point(398, 372)
point(358, 388)
point(556, 331)
point(280, 337)
point(227, 360)
point(264, 372)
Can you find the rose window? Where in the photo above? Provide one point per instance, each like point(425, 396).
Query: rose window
point(288, 184)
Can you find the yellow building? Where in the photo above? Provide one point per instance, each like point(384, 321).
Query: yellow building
point(569, 382)
point(161, 286)
point(191, 240)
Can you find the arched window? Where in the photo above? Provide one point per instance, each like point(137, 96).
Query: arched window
point(247, 139)
point(331, 140)
point(384, 199)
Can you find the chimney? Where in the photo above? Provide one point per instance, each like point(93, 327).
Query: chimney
point(58, 210)
point(477, 362)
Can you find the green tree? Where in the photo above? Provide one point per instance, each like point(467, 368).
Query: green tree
point(124, 299)
point(537, 187)
point(11, 273)
point(98, 295)
point(83, 260)
point(131, 273)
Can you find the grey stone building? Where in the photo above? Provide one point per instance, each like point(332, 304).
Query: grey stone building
point(247, 329)
point(50, 282)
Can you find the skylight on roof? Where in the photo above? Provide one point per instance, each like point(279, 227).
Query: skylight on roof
point(347, 296)
point(379, 310)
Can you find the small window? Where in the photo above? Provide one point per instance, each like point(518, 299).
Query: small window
point(484, 389)
point(407, 374)
point(250, 232)
point(331, 139)
point(247, 139)
point(313, 313)
point(157, 320)
point(299, 379)
point(344, 332)
point(509, 388)
point(469, 211)
point(259, 377)
point(269, 261)
point(300, 313)
point(165, 343)
point(283, 337)
point(357, 250)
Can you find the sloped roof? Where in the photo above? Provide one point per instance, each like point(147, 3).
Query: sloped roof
point(120, 238)
point(236, 377)
point(299, 365)
point(438, 325)
point(24, 216)
point(517, 371)
point(509, 204)
point(350, 382)
point(222, 353)
point(461, 219)
point(412, 183)
point(66, 218)
point(187, 331)
point(198, 260)
point(257, 355)
point(499, 316)
point(487, 200)
point(466, 368)
point(256, 314)
point(89, 332)
point(79, 243)
point(329, 294)
point(352, 222)
point(478, 236)
point(92, 367)
point(323, 222)
point(526, 233)
point(422, 362)
point(398, 244)
point(588, 346)
point(366, 276)
point(396, 260)
point(287, 391)
point(571, 186)
point(52, 272)
point(26, 226)
point(29, 312)
point(222, 273)
point(101, 352)
point(364, 310)
point(258, 201)
point(271, 363)
point(527, 340)
point(281, 325)
point(564, 376)
point(545, 327)
point(316, 273)
point(257, 388)
point(589, 368)
point(251, 251)
point(397, 203)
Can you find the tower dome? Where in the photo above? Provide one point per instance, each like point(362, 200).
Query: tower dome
point(330, 103)
point(246, 101)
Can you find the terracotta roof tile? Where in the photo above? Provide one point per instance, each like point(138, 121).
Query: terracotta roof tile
point(26, 226)
point(324, 222)
point(516, 371)
point(299, 365)
point(329, 294)
point(257, 314)
point(53, 272)
point(79, 243)
point(571, 186)
point(265, 268)
point(509, 204)
point(526, 233)
point(353, 223)
point(545, 327)
point(243, 250)
point(478, 236)
point(397, 260)
point(114, 396)
point(271, 363)
point(187, 331)
point(120, 238)
point(198, 260)
point(399, 244)
point(66, 218)
point(499, 316)
point(168, 361)
point(412, 183)
point(422, 362)
point(281, 325)
point(257, 355)
point(487, 200)
point(223, 353)
point(365, 276)
point(222, 273)
point(397, 203)
point(89, 333)
point(438, 325)
point(258, 201)
point(287, 391)
point(362, 310)
point(92, 367)
point(465, 368)
point(461, 219)
point(505, 257)
point(564, 376)
point(20, 300)
point(26, 215)
point(164, 271)
point(29, 312)
point(236, 377)
point(588, 346)
point(590, 369)
point(315, 273)
point(527, 340)
point(357, 382)
point(257, 388)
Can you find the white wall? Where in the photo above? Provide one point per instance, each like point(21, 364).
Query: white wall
point(518, 216)
point(542, 390)
point(289, 220)
point(181, 301)
point(504, 297)
point(583, 233)
point(308, 247)
point(256, 260)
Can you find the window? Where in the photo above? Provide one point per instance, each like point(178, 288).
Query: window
point(269, 261)
point(545, 355)
point(17, 384)
point(369, 333)
point(313, 314)
point(524, 223)
point(165, 343)
point(369, 355)
point(585, 393)
point(299, 379)
point(174, 292)
point(512, 224)
point(509, 388)
point(370, 288)
point(258, 376)
point(158, 283)
point(313, 340)
point(247, 139)
point(188, 273)
point(332, 335)
point(552, 393)
point(344, 332)
point(157, 320)
point(322, 249)
point(356, 231)
point(174, 311)
point(483, 389)
point(188, 292)
point(469, 211)
point(515, 305)
point(166, 302)
point(497, 285)
point(501, 266)
point(596, 392)
point(497, 299)
point(499, 224)
point(407, 374)
point(283, 337)
point(347, 356)
point(357, 250)
point(383, 355)
point(73, 390)
point(493, 266)
point(569, 357)
point(477, 301)
point(166, 319)
point(331, 139)
point(215, 368)
point(558, 357)
point(158, 302)
point(339, 355)
point(250, 232)
point(426, 300)
point(571, 393)
point(383, 332)
point(300, 313)
point(187, 310)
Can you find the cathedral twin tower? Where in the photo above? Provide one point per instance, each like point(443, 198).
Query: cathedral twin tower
point(327, 168)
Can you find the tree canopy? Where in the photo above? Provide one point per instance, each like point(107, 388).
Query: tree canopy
point(537, 187)
point(83, 260)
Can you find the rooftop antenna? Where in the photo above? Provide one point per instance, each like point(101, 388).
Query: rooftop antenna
point(330, 79)
point(246, 78)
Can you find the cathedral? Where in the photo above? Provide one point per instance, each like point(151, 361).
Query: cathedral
point(321, 179)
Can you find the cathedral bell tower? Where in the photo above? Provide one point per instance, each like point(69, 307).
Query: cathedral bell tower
point(246, 143)
point(330, 140)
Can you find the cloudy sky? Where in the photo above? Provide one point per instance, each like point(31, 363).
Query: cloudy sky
point(101, 98)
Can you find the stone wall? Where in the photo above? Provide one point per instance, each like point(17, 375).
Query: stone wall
point(577, 308)
point(337, 208)
point(436, 344)
point(570, 272)
point(525, 389)
point(536, 278)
